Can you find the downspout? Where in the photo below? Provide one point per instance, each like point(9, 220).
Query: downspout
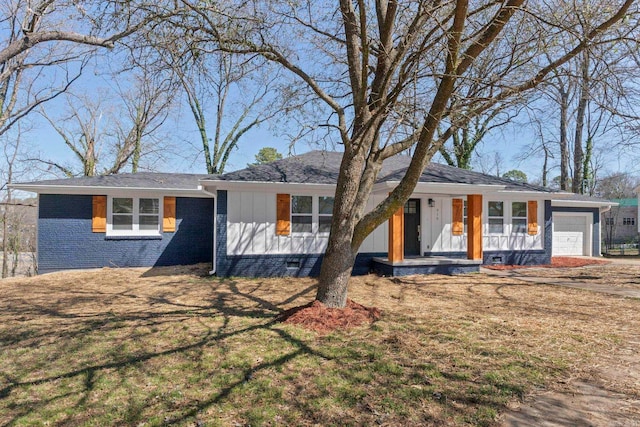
point(215, 216)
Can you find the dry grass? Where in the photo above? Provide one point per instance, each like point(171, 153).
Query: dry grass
point(167, 346)
point(625, 276)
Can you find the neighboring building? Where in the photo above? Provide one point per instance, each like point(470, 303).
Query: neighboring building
point(620, 224)
point(274, 220)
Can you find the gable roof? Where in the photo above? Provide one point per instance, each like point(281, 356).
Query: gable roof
point(323, 167)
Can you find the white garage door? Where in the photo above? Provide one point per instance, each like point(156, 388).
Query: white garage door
point(570, 235)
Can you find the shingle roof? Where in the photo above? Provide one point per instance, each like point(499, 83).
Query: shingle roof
point(322, 167)
point(131, 180)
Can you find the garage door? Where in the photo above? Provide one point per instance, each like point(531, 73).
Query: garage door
point(570, 235)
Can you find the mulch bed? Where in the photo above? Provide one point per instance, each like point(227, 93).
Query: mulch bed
point(556, 262)
point(319, 318)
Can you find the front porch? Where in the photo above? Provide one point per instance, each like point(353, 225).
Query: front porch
point(406, 250)
point(425, 265)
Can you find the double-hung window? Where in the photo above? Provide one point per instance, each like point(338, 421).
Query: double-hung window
point(311, 214)
point(302, 214)
point(519, 217)
point(325, 214)
point(496, 217)
point(134, 216)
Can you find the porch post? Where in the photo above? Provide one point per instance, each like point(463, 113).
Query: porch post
point(396, 236)
point(474, 226)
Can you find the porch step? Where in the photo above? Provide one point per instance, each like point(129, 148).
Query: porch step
point(425, 265)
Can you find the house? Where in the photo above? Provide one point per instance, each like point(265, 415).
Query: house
point(620, 224)
point(274, 220)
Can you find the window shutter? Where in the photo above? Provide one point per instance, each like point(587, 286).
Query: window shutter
point(457, 226)
point(99, 215)
point(283, 215)
point(169, 214)
point(532, 215)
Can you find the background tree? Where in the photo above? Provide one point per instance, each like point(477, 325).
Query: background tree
point(362, 62)
point(266, 155)
point(108, 135)
point(593, 99)
point(227, 95)
point(45, 46)
point(515, 175)
point(18, 216)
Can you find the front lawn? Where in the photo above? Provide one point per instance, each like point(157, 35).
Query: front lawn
point(169, 346)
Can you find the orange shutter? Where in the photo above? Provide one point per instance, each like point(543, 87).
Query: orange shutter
point(532, 208)
point(283, 214)
point(99, 215)
point(457, 225)
point(169, 214)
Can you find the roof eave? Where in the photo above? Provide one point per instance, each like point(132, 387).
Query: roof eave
point(92, 190)
point(214, 185)
point(582, 203)
point(440, 188)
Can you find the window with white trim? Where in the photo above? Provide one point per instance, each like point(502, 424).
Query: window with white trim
point(519, 217)
point(134, 216)
point(311, 214)
point(301, 214)
point(496, 217)
point(325, 214)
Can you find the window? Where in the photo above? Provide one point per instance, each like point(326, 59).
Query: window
point(608, 221)
point(411, 207)
point(628, 221)
point(325, 214)
point(519, 217)
point(496, 217)
point(311, 214)
point(301, 214)
point(465, 216)
point(133, 216)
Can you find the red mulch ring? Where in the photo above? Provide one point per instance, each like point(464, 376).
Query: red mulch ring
point(317, 317)
point(556, 262)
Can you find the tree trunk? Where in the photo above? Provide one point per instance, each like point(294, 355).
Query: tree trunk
point(578, 151)
point(545, 166)
point(341, 249)
point(564, 143)
point(335, 273)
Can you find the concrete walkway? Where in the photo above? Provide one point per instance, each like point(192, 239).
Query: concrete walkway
point(571, 283)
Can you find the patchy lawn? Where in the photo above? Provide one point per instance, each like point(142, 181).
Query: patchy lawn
point(556, 262)
point(168, 346)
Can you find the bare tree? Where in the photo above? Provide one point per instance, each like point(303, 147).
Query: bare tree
point(592, 98)
point(18, 219)
point(46, 44)
point(360, 59)
point(233, 94)
point(105, 141)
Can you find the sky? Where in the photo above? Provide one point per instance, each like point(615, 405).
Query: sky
point(505, 144)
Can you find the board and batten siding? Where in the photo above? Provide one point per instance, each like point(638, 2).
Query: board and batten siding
point(251, 227)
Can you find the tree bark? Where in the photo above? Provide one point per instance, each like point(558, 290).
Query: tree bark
point(564, 143)
point(578, 151)
point(341, 249)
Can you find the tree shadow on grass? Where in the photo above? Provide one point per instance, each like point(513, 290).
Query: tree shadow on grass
point(60, 326)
